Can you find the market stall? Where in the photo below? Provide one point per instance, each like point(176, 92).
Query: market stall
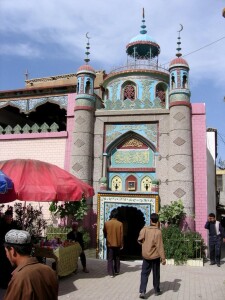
point(65, 256)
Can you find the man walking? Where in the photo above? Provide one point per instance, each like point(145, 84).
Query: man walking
point(31, 279)
point(113, 232)
point(150, 237)
point(216, 235)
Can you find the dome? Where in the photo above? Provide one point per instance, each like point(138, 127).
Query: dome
point(143, 45)
point(86, 68)
point(142, 37)
point(179, 61)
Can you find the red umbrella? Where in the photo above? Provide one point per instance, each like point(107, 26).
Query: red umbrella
point(36, 180)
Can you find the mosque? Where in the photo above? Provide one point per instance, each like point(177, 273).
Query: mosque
point(132, 133)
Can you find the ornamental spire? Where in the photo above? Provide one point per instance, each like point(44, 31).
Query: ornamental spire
point(179, 42)
point(87, 49)
point(143, 26)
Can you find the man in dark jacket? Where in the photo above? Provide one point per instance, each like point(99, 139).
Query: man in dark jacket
point(77, 236)
point(216, 236)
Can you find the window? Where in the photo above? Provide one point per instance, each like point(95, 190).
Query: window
point(146, 184)
point(129, 92)
point(219, 182)
point(116, 184)
point(88, 87)
point(160, 93)
point(184, 82)
point(131, 183)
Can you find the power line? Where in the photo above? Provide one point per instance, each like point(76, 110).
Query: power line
point(221, 138)
point(223, 37)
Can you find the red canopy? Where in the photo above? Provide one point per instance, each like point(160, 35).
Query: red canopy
point(36, 180)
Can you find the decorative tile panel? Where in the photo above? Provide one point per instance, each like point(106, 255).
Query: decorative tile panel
point(30, 105)
point(179, 141)
point(79, 143)
point(179, 193)
point(80, 120)
point(147, 204)
point(179, 116)
point(179, 167)
point(77, 167)
point(149, 131)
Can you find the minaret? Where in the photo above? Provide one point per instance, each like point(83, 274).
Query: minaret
point(82, 148)
point(180, 136)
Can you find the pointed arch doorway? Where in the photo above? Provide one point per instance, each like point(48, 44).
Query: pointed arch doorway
point(134, 210)
point(133, 221)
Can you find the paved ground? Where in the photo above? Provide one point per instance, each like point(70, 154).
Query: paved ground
point(177, 283)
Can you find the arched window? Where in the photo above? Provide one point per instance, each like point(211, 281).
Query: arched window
point(146, 184)
point(160, 93)
point(88, 87)
point(184, 81)
point(106, 94)
point(173, 83)
point(129, 91)
point(78, 87)
point(131, 183)
point(116, 184)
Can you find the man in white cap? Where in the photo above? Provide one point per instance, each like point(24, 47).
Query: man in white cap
point(30, 279)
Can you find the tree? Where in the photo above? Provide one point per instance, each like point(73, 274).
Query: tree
point(172, 213)
point(221, 164)
point(76, 209)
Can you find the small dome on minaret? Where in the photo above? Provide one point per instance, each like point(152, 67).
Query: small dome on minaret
point(86, 67)
point(179, 61)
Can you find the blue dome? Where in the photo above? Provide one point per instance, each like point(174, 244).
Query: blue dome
point(142, 37)
point(143, 45)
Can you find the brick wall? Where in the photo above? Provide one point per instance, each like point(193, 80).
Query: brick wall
point(51, 150)
point(200, 167)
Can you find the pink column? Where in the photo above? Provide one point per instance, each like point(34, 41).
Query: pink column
point(200, 166)
point(69, 126)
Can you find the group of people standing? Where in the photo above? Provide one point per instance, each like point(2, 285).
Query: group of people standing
point(150, 238)
point(33, 280)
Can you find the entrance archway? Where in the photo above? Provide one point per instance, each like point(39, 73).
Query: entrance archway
point(133, 221)
point(137, 207)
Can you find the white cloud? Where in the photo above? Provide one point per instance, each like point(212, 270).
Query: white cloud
point(59, 23)
point(23, 50)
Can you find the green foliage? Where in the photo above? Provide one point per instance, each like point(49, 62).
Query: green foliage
point(61, 232)
point(172, 213)
point(182, 246)
point(76, 209)
point(30, 218)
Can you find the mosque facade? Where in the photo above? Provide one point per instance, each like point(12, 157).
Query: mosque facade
point(132, 133)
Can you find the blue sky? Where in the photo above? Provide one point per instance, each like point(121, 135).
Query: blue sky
point(47, 37)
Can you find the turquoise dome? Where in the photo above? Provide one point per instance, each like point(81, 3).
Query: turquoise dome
point(142, 45)
point(142, 37)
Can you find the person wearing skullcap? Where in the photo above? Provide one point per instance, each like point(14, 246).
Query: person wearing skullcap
point(6, 223)
point(30, 280)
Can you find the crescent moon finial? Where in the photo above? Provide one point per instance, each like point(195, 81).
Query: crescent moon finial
point(87, 36)
point(181, 28)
